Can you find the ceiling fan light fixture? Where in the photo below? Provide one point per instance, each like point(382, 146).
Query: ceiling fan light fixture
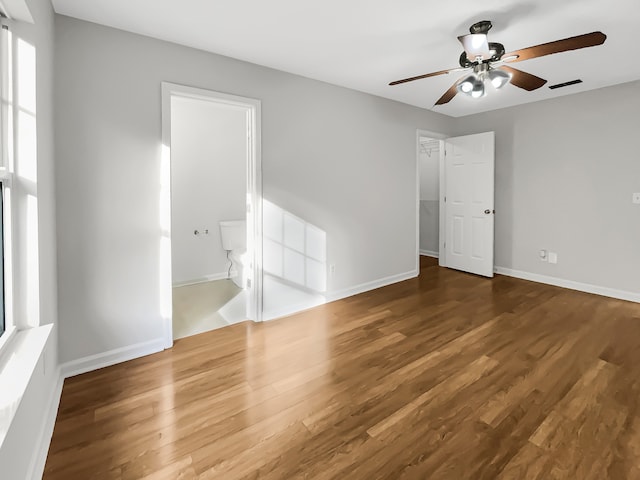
point(472, 85)
point(478, 89)
point(475, 45)
point(465, 85)
point(498, 78)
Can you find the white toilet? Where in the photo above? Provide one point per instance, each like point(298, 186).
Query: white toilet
point(234, 240)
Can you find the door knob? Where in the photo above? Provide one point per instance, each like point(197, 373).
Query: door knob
point(487, 212)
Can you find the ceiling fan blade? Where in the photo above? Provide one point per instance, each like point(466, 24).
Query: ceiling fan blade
point(524, 80)
point(572, 43)
point(426, 75)
point(448, 95)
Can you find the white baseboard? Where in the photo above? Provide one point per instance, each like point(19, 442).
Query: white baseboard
point(43, 441)
point(111, 357)
point(365, 287)
point(338, 295)
point(269, 315)
point(429, 253)
point(207, 278)
point(570, 284)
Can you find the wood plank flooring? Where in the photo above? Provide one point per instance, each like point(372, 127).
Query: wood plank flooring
point(447, 376)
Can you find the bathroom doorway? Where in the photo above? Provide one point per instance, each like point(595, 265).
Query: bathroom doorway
point(212, 143)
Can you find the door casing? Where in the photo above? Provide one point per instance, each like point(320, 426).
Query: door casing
point(254, 197)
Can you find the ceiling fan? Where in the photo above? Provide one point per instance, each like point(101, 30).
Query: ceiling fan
point(488, 62)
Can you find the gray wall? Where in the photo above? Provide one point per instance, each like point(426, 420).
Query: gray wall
point(342, 160)
point(565, 172)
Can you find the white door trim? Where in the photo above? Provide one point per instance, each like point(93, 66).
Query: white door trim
point(254, 190)
point(442, 192)
point(441, 137)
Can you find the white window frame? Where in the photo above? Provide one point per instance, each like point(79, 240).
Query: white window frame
point(6, 177)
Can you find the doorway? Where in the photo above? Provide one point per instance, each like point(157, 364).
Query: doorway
point(211, 149)
point(430, 161)
point(429, 155)
point(455, 200)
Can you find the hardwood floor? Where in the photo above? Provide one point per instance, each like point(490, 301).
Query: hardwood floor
point(448, 376)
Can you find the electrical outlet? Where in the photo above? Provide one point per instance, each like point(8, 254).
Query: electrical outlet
point(553, 257)
point(636, 198)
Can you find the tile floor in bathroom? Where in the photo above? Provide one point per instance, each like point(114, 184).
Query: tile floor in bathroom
point(205, 306)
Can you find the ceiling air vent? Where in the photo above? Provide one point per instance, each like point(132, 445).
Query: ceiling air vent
point(565, 84)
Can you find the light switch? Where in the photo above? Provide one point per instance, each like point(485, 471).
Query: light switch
point(636, 198)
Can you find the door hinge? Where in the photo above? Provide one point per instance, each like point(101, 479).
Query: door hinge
point(445, 199)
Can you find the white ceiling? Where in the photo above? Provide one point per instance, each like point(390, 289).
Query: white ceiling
point(365, 44)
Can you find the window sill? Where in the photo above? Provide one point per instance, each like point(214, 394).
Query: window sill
point(5, 340)
point(21, 353)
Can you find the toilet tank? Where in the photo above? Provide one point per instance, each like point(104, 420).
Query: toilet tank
point(233, 234)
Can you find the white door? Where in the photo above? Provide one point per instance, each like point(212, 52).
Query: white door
point(469, 208)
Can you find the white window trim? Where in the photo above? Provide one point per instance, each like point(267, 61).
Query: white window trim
point(10, 327)
point(6, 177)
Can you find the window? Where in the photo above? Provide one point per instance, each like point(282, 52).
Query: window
point(6, 322)
point(2, 319)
